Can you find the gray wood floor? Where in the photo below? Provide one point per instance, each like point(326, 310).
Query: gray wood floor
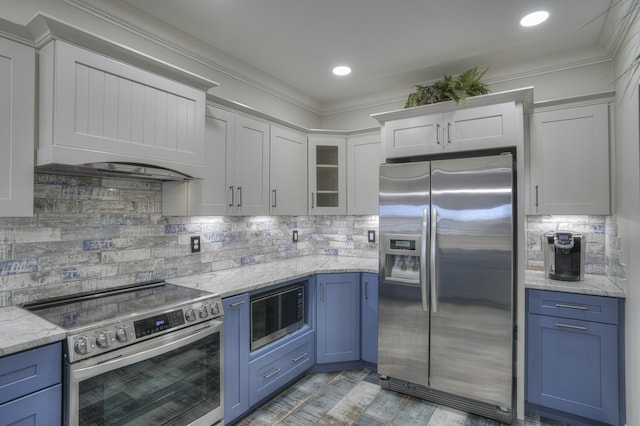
point(354, 398)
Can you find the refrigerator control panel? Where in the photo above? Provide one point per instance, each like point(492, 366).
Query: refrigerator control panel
point(402, 258)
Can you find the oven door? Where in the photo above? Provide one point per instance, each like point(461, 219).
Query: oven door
point(175, 379)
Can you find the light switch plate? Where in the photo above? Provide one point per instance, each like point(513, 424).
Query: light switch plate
point(371, 236)
point(295, 237)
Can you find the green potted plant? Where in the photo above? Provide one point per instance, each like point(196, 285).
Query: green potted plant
point(468, 83)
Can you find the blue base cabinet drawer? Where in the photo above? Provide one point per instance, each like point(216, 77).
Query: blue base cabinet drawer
point(39, 408)
point(30, 371)
point(275, 369)
point(574, 366)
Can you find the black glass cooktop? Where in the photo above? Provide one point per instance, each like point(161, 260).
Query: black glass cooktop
point(89, 308)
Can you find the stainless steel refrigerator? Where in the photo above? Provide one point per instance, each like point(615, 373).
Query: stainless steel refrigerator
point(447, 274)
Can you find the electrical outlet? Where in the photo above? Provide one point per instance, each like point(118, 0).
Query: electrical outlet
point(295, 237)
point(195, 244)
point(371, 235)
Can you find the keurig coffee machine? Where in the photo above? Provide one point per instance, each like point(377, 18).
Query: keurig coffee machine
point(564, 255)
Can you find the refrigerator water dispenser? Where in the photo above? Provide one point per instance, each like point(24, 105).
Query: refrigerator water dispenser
point(402, 258)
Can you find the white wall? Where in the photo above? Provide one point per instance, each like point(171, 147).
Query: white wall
point(627, 210)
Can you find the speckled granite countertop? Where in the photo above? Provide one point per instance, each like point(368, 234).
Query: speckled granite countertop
point(598, 285)
point(248, 278)
point(21, 330)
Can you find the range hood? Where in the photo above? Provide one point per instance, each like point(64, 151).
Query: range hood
point(116, 170)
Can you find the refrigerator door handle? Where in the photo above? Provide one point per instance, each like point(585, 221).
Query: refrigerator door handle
point(432, 261)
point(423, 261)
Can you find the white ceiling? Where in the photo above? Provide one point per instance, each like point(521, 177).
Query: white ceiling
point(389, 44)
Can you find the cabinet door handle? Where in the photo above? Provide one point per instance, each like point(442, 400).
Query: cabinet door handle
point(298, 358)
point(574, 327)
point(321, 292)
point(437, 133)
point(242, 302)
point(448, 132)
point(232, 196)
point(366, 290)
point(239, 190)
point(536, 196)
point(312, 199)
point(275, 195)
point(562, 305)
point(270, 375)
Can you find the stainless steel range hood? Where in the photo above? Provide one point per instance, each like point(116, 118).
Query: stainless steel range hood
point(116, 170)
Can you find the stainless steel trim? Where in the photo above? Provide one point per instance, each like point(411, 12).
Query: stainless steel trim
point(433, 276)
point(574, 327)
point(117, 169)
point(562, 305)
point(298, 358)
point(423, 261)
point(273, 373)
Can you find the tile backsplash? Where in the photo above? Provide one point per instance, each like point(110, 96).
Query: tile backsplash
point(89, 233)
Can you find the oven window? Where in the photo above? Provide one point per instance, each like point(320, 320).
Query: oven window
point(175, 388)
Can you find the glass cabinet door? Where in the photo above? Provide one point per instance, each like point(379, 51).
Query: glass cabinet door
point(327, 181)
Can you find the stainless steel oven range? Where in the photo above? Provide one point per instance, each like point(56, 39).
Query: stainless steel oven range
point(147, 354)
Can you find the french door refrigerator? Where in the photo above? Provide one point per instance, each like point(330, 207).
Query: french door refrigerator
point(447, 274)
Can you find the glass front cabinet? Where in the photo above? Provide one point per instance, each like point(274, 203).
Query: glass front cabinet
point(327, 175)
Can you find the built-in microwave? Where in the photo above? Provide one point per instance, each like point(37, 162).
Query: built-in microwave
point(276, 313)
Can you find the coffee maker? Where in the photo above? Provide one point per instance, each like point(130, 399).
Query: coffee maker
point(564, 255)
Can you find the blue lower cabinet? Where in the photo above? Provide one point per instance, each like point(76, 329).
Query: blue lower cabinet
point(369, 322)
point(236, 356)
point(278, 367)
point(573, 365)
point(30, 384)
point(338, 317)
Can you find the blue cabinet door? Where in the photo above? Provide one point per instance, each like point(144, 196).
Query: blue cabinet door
point(369, 325)
point(572, 366)
point(338, 317)
point(39, 408)
point(236, 356)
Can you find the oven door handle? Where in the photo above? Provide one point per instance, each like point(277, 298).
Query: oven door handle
point(144, 350)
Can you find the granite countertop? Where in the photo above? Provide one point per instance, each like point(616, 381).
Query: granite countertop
point(21, 330)
point(598, 285)
point(229, 282)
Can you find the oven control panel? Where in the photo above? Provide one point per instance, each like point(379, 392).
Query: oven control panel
point(107, 336)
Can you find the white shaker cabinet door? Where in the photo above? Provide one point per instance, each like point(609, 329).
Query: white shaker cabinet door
point(364, 156)
point(251, 167)
point(288, 172)
point(570, 161)
point(17, 122)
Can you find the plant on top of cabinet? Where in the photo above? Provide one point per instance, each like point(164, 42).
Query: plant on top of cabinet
point(468, 83)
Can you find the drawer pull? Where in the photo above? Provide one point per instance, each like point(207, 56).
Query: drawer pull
point(298, 358)
point(575, 327)
point(562, 305)
point(270, 375)
point(242, 302)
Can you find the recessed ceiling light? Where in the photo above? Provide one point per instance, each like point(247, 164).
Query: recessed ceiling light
point(534, 18)
point(342, 70)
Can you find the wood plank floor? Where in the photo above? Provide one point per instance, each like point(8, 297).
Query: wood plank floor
point(355, 398)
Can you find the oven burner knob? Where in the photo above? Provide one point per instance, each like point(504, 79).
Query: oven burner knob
point(121, 334)
point(190, 315)
point(215, 310)
point(102, 340)
point(203, 311)
point(82, 346)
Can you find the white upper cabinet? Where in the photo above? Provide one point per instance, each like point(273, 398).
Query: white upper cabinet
point(94, 108)
point(483, 122)
point(17, 122)
point(327, 174)
point(288, 166)
point(569, 160)
point(236, 177)
point(364, 156)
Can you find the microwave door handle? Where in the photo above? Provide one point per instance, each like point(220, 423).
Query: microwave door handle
point(423, 261)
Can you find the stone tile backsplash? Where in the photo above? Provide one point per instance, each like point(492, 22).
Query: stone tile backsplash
point(89, 233)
